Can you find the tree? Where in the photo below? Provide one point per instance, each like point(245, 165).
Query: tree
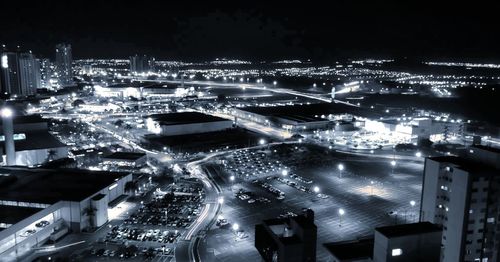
point(51, 154)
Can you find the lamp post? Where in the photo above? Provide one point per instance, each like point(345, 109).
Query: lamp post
point(220, 201)
point(371, 186)
point(340, 167)
point(393, 164)
point(341, 213)
point(231, 178)
point(412, 204)
point(8, 133)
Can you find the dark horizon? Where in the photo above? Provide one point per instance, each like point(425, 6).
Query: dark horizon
point(199, 31)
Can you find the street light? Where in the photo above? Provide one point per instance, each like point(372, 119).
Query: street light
point(340, 167)
point(412, 204)
point(231, 178)
point(8, 132)
point(393, 164)
point(371, 186)
point(341, 213)
point(418, 154)
point(316, 189)
point(221, 200)
point(236, 227)
point(262, 142)
point(284, 172)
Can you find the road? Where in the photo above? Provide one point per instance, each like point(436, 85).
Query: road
point(260, 86)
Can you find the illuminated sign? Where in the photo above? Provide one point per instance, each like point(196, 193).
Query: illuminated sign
point(16, 137)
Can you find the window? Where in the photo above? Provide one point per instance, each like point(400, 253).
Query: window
point(397, 252)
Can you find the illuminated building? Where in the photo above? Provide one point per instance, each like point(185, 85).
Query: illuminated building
point(64, 60)
point(34, 144)
point(186, 123)
point(141, 64)
point(462, 195)
point(41, 204)
point(19, 73)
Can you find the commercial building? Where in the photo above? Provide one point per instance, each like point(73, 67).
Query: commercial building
point(29, 70)
point(42, 204)
point(416, 242)
point(416, 129)
point(288, 117)
point(290, 239)
point(64, 60)
point(127, 159)
point(34, 145)
point(141, 64)
point(462, 194)
point(19, 73)
point(140, 90)
point(186, 123)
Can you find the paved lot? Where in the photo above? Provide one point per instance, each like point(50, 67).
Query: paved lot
point(366, 204)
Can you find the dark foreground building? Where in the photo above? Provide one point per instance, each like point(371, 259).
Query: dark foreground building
point(409, 243)
point(288, 239)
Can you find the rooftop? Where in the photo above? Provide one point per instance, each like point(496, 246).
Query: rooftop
point(408, 229)
point(465, 164)
point(351, 250)
point(13, 214)
point(126, 155)
point(48, 186)
point(36, 140)
point(184, 118)
point(488, 148)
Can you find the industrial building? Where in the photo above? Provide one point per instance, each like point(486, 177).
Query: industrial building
point(186, 123)
point(42, 204)
point(290, 239)
point(462, 194)
point(287, 117)
point(33, 143)
point(128, 159)
point(416, 242)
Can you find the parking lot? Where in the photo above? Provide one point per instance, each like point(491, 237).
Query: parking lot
point(370, 191)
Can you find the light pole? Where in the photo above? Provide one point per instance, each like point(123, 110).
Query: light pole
point(8, 133)
point(340, 167)
point(412, 204)
point(220, 201)
point(231, 178)
point(371, 186)
point(393, 164)
point(341, 213)
point(284, 172)
point(316, 189)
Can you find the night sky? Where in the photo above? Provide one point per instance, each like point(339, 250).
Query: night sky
point(255, 30)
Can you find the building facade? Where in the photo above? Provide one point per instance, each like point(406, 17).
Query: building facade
point(462, 194)
point(64, 60)
point(141, 64)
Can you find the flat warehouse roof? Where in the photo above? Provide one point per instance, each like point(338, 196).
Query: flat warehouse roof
point(14, 214)
point(185, 118)
point(126, 155)
point(49, 186)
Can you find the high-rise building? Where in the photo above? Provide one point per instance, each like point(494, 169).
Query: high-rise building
point(45, 73)
point(141, 64)
point(20, 73)
point(10, 73)
point(462, 194)
point(29, 70)
point(64, 62)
